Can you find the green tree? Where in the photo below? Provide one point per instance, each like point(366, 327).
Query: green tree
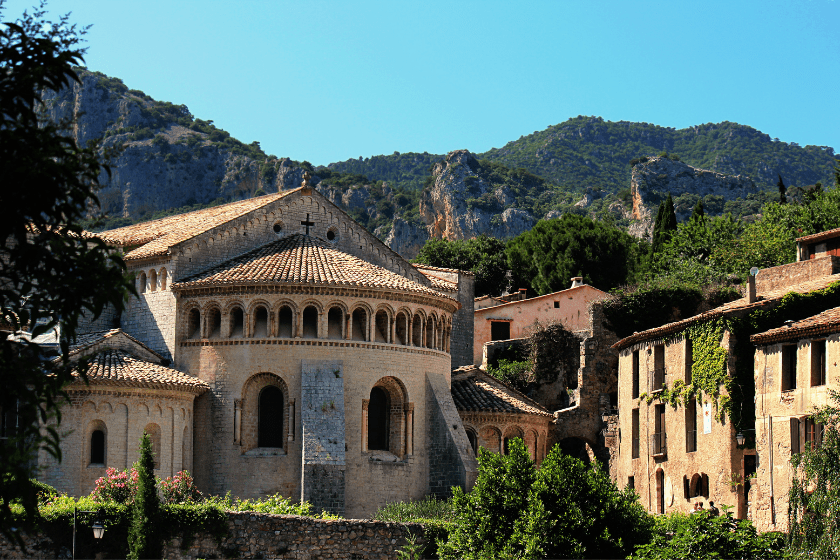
point(576, 511)
point(484, 256)
point(814, 513)
point(144, 535)
point(486, 518)
point(698, 213)
point(52, 273)
point(703, 535)
point(666, 224)
point(551, 253)
point(782, 191)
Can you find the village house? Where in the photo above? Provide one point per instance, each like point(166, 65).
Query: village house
point(676, 451)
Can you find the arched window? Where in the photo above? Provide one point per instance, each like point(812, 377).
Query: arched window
point(142, 283)
point(214, 323)
point(492, 439)
point(430, 333)
point(152, 280)
point(270, 429)
point(194, 323)
point(402, 329)
point(310, 322)
point(360, 324)
point(237, 322)
point(97, 447)
point(473, 439)
point(162, 279)
point(260, 322)
point(378, 419)
point(382, 330)
point(417, 331)
point(285, 322)
point(335, 321)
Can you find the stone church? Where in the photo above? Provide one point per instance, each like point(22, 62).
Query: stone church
point(276, 346)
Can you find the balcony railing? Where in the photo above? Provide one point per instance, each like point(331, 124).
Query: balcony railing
point(690, 441)
point(656, 379)
point(657, 444)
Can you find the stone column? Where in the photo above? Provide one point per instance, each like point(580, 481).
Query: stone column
point(291, 423)
point(365, 404)
point(348, 331)
point(409, 331)
point(237, 421)
point(409, 429)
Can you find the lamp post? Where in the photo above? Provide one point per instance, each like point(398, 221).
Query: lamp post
point(740, 438)
point(98, 527)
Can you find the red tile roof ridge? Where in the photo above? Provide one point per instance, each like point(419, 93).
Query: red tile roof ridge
point(116, 367)
point(429, 267)
point(155, 237)
point(741, 304)
point(303, 259)
point(827, 234)
point(827, 322)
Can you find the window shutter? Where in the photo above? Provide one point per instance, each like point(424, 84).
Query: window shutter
point(794, 436)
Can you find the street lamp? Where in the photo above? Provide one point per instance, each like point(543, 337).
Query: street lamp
point(740, 438)
point(98, 527)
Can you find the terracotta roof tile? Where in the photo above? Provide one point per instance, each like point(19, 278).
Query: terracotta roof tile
point(118, 368)
point(827, 322)
point(473, 390)
point(87, 340)
point(301, 259)
point(440, 283)
point(157, 236)
point(766, 298)
point(828, 234)
point(427, 267)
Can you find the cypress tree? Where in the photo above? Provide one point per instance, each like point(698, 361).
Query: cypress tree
point(669, 218)
point(144, 534)
point(657, 226)
point(782, 191)
point(698, 213)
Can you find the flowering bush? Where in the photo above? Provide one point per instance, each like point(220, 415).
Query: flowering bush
point(179, 489)
point(116, 486)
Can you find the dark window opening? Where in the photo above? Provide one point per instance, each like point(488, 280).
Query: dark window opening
point(194, 326)
point(310, 322)
point(657, 443)
point(270, 418)
point(689, 359)
point(237, 323)
point(499, 330)
point(360, 325)
point(382, 326)
point(691, 426)
point(260, 322)
point(402, 329)
point(430, 333)
point(631, 482)
point(285, 322)
point(788, 368)
point(635, 434)
point(818, 365)
point(335, 318)
point(331, 235)
point(97, 447)
point(379, 409)
point(417, 331)
point(556, 305)
point(635, 374)
point(215, 326)
point(473, 438)
point(278, 228)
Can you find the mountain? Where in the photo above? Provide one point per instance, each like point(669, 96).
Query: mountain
point(168, 161)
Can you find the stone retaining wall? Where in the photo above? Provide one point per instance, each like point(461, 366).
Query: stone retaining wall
point(262, 535)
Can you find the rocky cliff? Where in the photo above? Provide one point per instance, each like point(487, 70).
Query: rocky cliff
point(652, 179)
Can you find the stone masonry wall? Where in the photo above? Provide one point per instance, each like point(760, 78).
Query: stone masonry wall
point(451, 460)
point(795, 272)
point(261, 535)
point(463, 324)
point(322, 428)
point(151, 317)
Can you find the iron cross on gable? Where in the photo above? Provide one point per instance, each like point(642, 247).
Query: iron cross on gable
point(307, 223)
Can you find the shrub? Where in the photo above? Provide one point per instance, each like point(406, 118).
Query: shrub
point(179, 489)
point(116, 486)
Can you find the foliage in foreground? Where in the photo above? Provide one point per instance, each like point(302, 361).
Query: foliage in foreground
point(484, 256)
point(53, 274)
point(703, 535)
point(814, 513)
point(144, 536)
point(566, 509)
point(435, 515)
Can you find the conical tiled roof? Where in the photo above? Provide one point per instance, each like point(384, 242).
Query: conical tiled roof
point(116, 367)
point(301, 259)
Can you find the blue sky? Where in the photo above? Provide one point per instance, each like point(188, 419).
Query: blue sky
point(327, 81)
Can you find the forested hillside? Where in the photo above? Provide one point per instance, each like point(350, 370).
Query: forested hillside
point(591, 152)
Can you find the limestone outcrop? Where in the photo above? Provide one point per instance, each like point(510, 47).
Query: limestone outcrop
point(654, 177)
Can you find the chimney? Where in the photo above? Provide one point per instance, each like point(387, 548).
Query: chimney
point(577, 281)
point(751, 296)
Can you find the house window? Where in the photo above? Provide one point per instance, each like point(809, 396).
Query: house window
point(689, 359)
point(214, 323)
point(310, 322)
point(556, 305)
point(194, 326)
point(635, 434)
point(788, 367)
point(473, 439)
point(97, 447)
point(691, 426)
point(635, 374)
point(378, 419)
point(237, 322)
point(631, 482)
point(813, 434)
point(818, 358)
point(657, 377)
point(270, 429)
point(260, 322)
point(499, 330)
point(285, 322)
point(657, 439)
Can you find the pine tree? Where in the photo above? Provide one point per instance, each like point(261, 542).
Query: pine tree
point(782, 191)
point(144, 534)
